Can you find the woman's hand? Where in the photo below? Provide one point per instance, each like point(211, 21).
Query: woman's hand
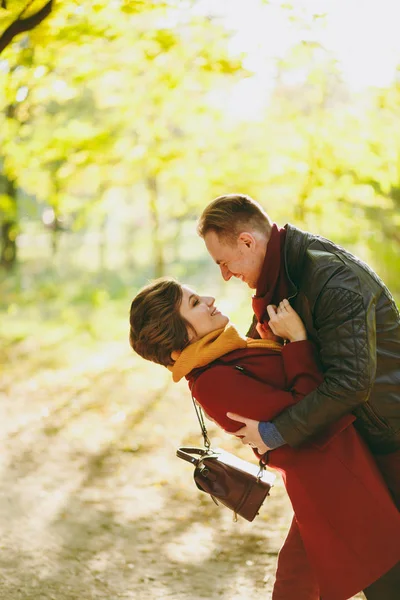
point(249, 433)
point(285, 322)
point(266, 333)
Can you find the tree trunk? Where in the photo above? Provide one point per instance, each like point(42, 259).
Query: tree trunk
point(9, 229)
point(155, 218)
point(55, 235)
point(103, 244)
point(300, 208)
point(56, 227)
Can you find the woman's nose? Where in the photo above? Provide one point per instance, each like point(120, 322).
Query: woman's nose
point(209, 300)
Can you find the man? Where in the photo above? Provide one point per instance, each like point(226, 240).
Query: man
point(348, 312)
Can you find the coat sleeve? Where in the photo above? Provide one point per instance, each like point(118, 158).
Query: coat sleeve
point(345, 324)
point(222, 388)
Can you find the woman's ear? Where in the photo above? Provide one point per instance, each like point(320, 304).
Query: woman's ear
point(175, 354)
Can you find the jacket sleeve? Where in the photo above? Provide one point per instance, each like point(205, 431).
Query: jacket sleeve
point(347, 337)
point(222, 388)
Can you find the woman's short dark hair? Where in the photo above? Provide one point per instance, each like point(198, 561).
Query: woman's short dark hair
point(156, 326)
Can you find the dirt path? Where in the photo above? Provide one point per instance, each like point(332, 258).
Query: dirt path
point(86, 507)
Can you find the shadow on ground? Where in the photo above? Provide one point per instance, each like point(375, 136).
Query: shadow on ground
point(95, 505)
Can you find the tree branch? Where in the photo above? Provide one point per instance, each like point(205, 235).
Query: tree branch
point(22, 25)
point(25, 9)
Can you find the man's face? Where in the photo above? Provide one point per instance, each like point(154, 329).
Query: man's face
point(243, 260)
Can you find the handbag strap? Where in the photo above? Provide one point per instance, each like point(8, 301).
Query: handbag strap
point(200, 417)
point(263, 461)
point(186, 454)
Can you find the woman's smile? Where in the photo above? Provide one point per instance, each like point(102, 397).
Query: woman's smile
point(201, 313)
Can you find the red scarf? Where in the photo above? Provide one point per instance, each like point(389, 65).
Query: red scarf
point(272, 285)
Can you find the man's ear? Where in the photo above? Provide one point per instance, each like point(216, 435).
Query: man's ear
point(175, 354)
point(247, 239)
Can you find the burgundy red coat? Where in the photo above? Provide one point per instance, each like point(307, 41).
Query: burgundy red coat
point(348, 522)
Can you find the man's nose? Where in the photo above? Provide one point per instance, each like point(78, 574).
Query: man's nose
point(225, 272)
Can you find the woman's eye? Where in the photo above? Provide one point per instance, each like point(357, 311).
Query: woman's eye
point(195, 302)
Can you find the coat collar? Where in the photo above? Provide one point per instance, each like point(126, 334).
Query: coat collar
point(212, 347)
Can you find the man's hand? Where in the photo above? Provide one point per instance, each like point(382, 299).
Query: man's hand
point(249, 434)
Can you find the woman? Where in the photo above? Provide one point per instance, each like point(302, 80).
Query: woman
point(349, 525)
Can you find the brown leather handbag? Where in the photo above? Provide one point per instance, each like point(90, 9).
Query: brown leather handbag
point(236, 483)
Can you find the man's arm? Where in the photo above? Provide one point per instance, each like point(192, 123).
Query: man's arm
point(270, 435)
point(347, 337)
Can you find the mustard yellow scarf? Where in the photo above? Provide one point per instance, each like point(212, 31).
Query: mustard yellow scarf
point(212, 346)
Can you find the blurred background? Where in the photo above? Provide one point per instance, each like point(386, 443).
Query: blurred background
point(119, 122)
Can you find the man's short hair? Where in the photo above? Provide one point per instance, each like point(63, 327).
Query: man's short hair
point(231, 214)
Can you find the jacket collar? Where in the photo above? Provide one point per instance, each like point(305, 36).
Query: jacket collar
point(214, 346)
point(295, 247)
point(208, 348)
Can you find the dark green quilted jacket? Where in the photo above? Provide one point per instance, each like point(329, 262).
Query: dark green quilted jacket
point(353, 319)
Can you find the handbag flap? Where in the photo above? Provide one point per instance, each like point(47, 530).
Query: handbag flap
point(243, 465)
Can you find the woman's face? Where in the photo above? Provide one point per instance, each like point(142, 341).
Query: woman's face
point(201, 313)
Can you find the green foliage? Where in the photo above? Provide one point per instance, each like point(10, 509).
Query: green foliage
point(116, 116)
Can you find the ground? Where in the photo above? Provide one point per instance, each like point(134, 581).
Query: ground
point(94, 503)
